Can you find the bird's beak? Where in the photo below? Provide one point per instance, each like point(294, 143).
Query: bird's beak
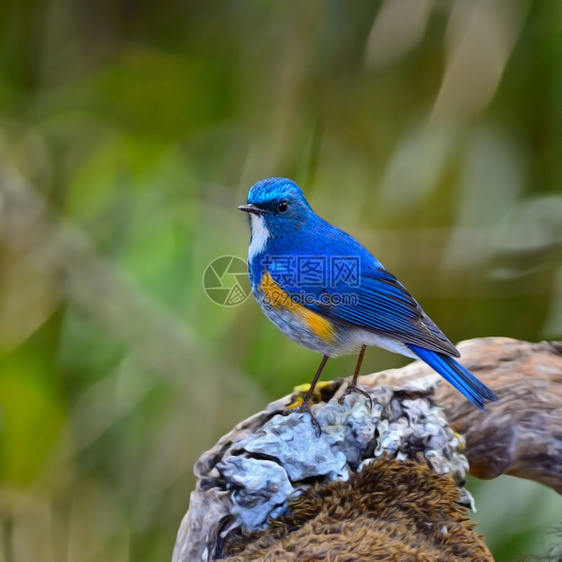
point(251, 208)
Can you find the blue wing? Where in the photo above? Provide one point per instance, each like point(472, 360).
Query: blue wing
point(376, 302)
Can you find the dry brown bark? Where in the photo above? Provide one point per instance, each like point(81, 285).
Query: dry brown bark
point(521, 433)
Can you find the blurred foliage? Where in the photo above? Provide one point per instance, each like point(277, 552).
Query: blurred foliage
point(129, 132)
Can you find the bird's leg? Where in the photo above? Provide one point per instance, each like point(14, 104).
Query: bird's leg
point(353, 384)
point(305, 406)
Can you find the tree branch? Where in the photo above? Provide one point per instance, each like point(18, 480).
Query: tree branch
point(521, 433)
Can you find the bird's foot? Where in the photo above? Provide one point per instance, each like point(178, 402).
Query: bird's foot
point(354, 388)
point(305, 408)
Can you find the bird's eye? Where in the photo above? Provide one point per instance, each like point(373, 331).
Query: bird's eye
point(283, 206)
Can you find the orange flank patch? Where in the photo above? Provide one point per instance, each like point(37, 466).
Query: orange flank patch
point(278, 298)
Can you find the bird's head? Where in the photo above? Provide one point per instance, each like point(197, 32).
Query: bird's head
point(276, 206)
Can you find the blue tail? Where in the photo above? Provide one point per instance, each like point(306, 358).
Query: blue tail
point(452, 371)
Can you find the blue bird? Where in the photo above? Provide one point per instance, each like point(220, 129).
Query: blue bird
point(325, 291)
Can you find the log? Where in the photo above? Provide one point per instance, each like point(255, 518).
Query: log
point(272, 486)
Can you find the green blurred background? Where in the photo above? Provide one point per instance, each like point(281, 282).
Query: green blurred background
point(129, 133)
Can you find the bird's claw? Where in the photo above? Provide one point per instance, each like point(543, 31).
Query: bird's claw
point(305, 408)
point(354, 388)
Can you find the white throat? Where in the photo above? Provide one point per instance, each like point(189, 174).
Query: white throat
point(260, 234)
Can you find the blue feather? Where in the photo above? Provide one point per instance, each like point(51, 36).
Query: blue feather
point(451, 370)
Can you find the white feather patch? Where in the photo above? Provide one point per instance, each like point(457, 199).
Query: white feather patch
point(260, 234)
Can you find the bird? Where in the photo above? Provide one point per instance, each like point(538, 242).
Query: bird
point(328, 293)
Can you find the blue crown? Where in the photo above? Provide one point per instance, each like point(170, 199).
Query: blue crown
point(272, 189)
